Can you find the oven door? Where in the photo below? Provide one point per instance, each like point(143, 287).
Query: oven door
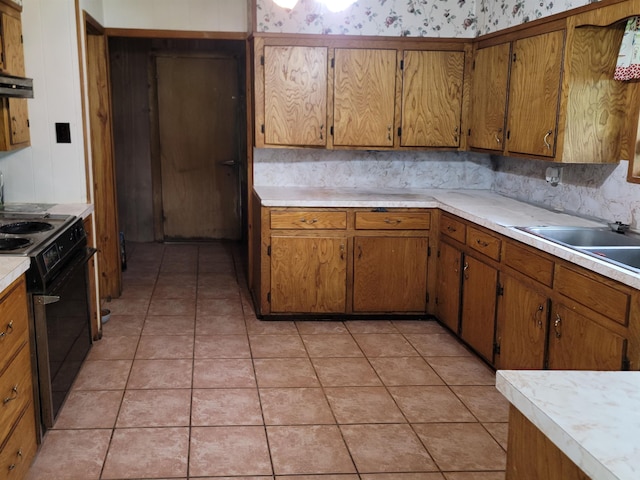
point(62, 333)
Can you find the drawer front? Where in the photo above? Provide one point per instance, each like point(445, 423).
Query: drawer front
point(20, 448)
point(308, 220)
point(528, 263)
point(597, 296)
point(393, 221)
point(453, 228)
point(13, 323)
point(484, 243)
point(15, 390)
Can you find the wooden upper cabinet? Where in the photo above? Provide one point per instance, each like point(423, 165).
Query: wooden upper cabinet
point(536, 72)
point(432, 98)
point(295, 95)
point(12, 48)
point(490, 80)
point(364, 97)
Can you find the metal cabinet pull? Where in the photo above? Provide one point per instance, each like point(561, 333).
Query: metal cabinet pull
point(465, 267)
point(321, 135)
point(392, 221)
point(359, 252)
point(7, 330)
point(497, 139)
point(12, 396)
point(451, 229)
point(342, 251)
point(389, 132)
point(482, 243)
point(557, 324)
point(310, 222)
point(546, 143)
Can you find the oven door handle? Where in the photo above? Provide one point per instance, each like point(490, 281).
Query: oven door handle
point(46, 299)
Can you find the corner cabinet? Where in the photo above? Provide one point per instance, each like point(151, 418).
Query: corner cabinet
point(340, 261)
point(14, 115)
point(345, 93)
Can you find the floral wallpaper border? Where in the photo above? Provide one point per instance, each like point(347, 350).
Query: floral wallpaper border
point(407, 18)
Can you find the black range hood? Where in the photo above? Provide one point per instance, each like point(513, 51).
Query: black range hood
point(15, 87)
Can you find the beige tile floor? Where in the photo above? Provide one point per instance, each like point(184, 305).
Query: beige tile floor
point(187, 383)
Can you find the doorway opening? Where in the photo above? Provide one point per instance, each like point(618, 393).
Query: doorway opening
point(179, 111)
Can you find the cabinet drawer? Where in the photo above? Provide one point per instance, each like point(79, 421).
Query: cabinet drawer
point(393, 221)
point(484, 243)
point(453, 228)
point(13, 322)
point(308, 220)
point(528, 263)
point(598, 296)
point(15, 390)
point(20, 448)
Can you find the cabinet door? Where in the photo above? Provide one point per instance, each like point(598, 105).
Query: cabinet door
point(390, 274)
point(295, 95)
point(536, 72)
point(578, 343)
point(12, 47)
point(522, 326)
point(448, 286)
point(489, 97)
point(432, 98)
point(364, 97)
point(19, 120)
point(308, 274)
point(477, 325)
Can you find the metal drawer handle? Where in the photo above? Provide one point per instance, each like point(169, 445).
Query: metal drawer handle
point(13, 396)
point(391, 221)
point(310, 222)
point(7, 330)
point(557, 324)
point(538, 315)
point(546, 143)
point(482, 243)
point(451, 229)
point(342, 251)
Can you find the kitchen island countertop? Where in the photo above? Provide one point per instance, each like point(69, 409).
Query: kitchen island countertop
point(592, 417)
point(488, 209)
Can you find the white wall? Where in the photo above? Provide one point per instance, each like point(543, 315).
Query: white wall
point(196, 15)
point(47, 171)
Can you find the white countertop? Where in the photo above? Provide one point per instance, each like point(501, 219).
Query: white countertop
point(11, 267)
point(495, 212)
point(592, 417)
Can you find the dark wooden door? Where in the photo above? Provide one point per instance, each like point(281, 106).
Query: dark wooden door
point(199, 134)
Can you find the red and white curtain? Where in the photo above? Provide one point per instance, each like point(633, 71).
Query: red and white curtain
point(628, 66)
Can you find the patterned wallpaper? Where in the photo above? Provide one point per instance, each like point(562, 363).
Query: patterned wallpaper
point(409, 18)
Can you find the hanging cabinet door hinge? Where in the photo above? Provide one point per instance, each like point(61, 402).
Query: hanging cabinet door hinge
point(428, 251)
point(262, 60)
point(399, 131)
point(514, 57)
point(496, 348)
point(262, 128)
point(499, 289)
point(473, 67)
point(333, 63)
point(401, 64)
point(269, 250)
point(269, 297)
point(626, 364)
point(427, 297)
point(331, 130)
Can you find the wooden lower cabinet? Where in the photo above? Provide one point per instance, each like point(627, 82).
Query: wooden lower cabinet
point(448, 278)
point(477, 323)
point(390, 274)
point(522, 325)
point(579, 343)
point(532, 456)
point(308, 274)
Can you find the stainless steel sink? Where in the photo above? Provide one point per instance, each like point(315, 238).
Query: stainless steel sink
point(585, 236)
point(616, 248)
point(626, 256)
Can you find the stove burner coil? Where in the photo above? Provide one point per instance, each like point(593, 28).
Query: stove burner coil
point(13, 243)
point(25, 227)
